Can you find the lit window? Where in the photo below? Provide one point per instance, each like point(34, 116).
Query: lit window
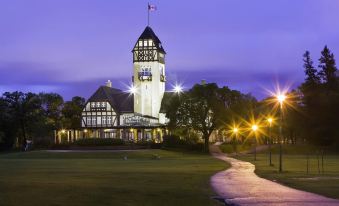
point(94, 121)
point(92, 104)
point(109, 120)
point(98, 104)
point(103, 104)
point(89, 120)
point(103, 119)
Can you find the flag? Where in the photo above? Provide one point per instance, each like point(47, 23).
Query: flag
point(152, 7)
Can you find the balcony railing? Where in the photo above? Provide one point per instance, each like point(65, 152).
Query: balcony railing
point(145, 76)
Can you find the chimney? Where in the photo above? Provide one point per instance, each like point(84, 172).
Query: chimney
point(109, 83)
point(203, 82)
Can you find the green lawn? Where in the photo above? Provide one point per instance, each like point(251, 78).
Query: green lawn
point(294, 170)
point(105, 178)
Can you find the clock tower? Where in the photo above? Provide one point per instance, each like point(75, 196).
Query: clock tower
point(149, 73)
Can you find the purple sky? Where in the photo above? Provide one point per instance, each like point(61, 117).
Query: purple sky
point(72, 47)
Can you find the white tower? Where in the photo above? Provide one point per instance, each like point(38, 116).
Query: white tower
point(149, 73)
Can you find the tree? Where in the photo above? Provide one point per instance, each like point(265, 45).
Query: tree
point(52, 105)
point(312, 76)
point(204, 108)
point(25, 108)
point(71, 112)
point(328, 69)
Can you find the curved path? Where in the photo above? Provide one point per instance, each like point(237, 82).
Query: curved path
point(239, 185)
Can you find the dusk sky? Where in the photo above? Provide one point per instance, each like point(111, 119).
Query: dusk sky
point(73, 46)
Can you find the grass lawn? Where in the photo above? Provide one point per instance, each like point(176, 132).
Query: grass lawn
point(294, 170)
point(105, 178)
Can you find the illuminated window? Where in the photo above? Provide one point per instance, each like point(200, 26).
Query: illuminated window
point(94, 121)
point(89, 120)
point(92, 104)
point(103, 119)
point(109, 120)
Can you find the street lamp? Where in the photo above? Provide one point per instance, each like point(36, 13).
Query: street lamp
point(85, 133)
point(177, 89)
point(270, 121)
point(235, 139)
point(280, 98)
point(254, 129)
point(132, 89)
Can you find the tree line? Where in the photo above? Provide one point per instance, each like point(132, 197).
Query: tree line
point(310, 115)
point(35, 117)
point(316, 116)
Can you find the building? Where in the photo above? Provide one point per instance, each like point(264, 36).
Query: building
point(133, 115)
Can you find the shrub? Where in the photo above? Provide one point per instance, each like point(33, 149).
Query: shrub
point(99, 142)
point(174, 141)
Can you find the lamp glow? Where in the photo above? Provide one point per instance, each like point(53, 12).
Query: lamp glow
point(281, 98)
point(254, 127)
point(132, 89)
point(270, 120)
point(235, 130)
point(177, 89)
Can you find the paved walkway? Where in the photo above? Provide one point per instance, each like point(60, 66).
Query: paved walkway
point(239, 185)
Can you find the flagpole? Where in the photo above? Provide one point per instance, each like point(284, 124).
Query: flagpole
point(148, 14)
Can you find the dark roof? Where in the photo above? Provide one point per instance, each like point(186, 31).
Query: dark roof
point(119, 100)
point(149, 34)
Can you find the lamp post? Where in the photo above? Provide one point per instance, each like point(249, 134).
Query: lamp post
point(270, 120)
point(254, 129)
point(235, 133)
point(85, 132)
point(280, 98)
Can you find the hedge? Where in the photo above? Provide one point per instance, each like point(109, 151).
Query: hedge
point(99, 142)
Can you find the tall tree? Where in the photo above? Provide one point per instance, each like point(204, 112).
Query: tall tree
point(312, 76)
point(328, 69)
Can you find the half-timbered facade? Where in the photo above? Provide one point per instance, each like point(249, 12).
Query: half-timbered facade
point(113, 113)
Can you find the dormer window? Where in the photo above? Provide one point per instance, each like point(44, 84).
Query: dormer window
point(98, 106)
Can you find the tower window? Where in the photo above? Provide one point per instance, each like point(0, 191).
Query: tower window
point(145, 74)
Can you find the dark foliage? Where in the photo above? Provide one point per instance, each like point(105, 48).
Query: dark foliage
point(174, 142)
point(316, 115)
point(32, 116)
point(99, 142)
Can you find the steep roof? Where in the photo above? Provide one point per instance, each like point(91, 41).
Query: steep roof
point(119, 100)
point(148, 33)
